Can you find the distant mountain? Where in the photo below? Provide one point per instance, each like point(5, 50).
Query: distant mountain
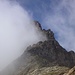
point(43, 58)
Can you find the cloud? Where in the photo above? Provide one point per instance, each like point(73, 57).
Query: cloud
point(61, 19)
point(17, 31)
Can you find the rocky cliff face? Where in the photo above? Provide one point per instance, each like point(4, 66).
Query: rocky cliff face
point(50, 53)
point(41, 55)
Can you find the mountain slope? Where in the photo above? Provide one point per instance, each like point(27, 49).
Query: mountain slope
point(43, 56)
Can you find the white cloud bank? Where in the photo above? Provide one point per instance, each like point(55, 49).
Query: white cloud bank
point(62, 21)
point(17, 31)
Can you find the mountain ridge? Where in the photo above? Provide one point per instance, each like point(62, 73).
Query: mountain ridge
point(48, 53)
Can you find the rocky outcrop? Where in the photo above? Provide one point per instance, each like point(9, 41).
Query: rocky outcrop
point(50, 53)
point(70, 72)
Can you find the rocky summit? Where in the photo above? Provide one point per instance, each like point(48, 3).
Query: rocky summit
point(43, 58)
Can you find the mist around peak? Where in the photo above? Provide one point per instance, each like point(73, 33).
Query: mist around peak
point(17, 31)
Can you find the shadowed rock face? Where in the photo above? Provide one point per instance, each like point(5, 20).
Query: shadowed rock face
point(50, 53)
point(43, 54)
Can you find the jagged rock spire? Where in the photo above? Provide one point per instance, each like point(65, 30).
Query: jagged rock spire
point(38, 25)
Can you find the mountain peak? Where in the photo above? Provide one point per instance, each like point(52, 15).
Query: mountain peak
point(38, 25)
point(48, 53)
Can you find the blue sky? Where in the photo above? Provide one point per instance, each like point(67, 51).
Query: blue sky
point(58, 15)
point(38, 8)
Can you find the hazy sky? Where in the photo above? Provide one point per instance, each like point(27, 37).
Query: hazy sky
point(58, 15)
point(38, 8)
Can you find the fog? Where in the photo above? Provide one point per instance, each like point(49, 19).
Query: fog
point(17, 31)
